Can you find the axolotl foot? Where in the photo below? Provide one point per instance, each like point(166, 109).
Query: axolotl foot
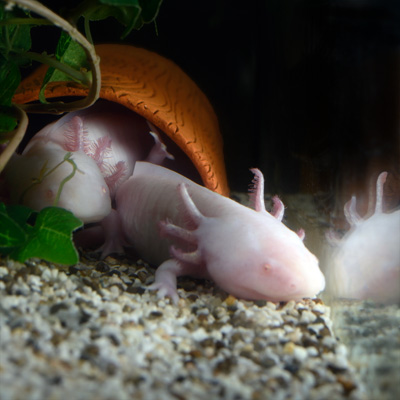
point(165, 280)
point(166, 276)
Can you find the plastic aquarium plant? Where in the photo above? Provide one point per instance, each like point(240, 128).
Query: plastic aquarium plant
point(47, 234)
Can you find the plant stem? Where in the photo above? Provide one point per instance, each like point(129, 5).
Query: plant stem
point(18, 135)
point(44, 173)
point(87, 30)
point(94, 60)
point(52, 62)
point(65, 180)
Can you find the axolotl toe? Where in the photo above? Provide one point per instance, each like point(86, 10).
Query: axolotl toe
point(187, 229)
point(366, 263)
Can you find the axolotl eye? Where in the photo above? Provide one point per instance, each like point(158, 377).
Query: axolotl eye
point(266, 267)
point(290, 281)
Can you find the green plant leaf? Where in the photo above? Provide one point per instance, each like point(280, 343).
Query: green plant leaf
point(70, 53)
point(21, 214)
point(51, 237)
point(9, 81)
point(47, 234)
point(14, 38)
point(7, 122)
point(133, 14)
point(11, 233)
point(150, 9)
point(119, 9)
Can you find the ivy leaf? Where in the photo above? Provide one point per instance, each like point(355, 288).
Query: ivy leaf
point(7, 122)
point(68, 52)
point(121, 10)
point(133, 14)
point(11, 234)
point(21, 214)
point(150, 9)
point(47, 234)
point(51, 237)
point(9, 80)
point(14, 40)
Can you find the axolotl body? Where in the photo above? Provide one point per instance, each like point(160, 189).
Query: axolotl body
point(366, 263)
point(172, 221)
point(249, 253)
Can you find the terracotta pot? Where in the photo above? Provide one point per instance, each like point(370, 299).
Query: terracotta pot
point(161, 92)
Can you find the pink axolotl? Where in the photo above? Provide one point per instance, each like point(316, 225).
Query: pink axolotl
point(112, 136)
point(249, 253)
point(105, 141)
point(366, 264)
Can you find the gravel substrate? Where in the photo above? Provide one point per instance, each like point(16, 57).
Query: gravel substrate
point(371, 333)
point(93, 332)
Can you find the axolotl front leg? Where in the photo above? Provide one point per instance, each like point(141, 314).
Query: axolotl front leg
point(182, 263)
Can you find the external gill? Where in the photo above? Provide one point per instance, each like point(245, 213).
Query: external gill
point(350, 210)
point(257, 196)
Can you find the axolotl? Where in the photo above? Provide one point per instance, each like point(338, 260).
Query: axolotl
point(366, 263)
point(104, 142)
point(170, 220)
point(188, 229)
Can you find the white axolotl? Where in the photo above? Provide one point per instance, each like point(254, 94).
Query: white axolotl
point(104, 140)
point(366, 264)
point(188, 229)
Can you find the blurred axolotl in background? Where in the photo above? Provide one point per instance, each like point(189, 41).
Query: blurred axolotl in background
point(167, 218)
point(366, 262)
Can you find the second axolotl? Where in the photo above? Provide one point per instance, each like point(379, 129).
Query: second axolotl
point(366, 263)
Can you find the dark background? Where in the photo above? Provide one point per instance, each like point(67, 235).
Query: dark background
point(306, 90)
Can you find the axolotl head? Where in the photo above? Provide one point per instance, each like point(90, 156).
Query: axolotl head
point(250, 253)
point(37, 178)
point(261, 259)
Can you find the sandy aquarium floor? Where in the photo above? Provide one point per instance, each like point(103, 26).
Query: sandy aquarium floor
point(93, 331)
